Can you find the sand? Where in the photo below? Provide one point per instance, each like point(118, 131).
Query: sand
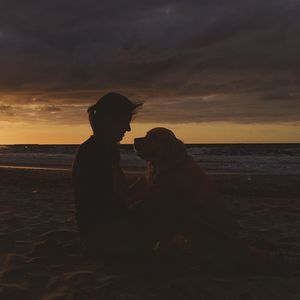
point(41, 255)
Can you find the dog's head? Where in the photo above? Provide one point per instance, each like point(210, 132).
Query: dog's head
point(159, 145)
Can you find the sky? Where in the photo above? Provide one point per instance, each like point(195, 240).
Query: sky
point(218, 71)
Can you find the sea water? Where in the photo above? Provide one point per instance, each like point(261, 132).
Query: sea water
point(277, 159)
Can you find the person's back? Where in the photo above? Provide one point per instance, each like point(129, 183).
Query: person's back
point(93, 181)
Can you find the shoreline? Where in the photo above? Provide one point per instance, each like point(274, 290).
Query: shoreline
point(34, 168)
point(139, 171)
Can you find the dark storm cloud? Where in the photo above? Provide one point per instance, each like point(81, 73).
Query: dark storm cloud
point(244, 108)
point(173, 54)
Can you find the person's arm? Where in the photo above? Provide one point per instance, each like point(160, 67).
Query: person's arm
point(91, 189)
point(140, 191)
point(120, 183)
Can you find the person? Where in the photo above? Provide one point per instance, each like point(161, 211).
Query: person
point(98, 180)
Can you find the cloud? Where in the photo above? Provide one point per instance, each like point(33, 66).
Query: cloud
point(51, 108)
point(218, 108)
point(63, 55)
point(6, 111)
point(5, 108)
point(38, 100)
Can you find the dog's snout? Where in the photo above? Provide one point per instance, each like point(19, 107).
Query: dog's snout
point(140, 146)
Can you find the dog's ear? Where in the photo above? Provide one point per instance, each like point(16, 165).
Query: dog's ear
point(150, 172)
point(179, 149)
point(174, 151)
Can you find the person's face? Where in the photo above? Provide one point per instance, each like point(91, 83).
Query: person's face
point(118, 127)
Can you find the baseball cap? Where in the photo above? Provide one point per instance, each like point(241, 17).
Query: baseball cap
point(115, 104)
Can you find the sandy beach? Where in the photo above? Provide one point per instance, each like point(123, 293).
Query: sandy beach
point(41, 255)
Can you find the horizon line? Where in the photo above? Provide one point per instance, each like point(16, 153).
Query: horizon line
point(128, 144)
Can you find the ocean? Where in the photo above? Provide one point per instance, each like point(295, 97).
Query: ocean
point(271, 159)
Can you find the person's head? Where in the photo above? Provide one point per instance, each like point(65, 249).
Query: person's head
point(111, 115)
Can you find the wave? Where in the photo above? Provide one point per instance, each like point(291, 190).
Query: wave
point(280, 159)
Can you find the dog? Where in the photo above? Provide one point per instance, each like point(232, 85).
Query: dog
point(188, 203)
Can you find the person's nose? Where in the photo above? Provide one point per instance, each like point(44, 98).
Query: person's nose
point(128, 128)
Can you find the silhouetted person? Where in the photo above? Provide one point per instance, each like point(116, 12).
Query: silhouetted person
point(98, 180)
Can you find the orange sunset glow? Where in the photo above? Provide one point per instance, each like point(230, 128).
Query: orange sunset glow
point(212, 73)
point(205, 133)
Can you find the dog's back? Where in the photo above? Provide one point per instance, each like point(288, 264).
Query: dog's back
point(194, 201)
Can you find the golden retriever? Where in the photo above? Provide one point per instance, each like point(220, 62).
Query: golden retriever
point(188, 202)
point(187, 208)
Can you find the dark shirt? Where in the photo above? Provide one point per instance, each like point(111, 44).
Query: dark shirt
point(95, 171)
